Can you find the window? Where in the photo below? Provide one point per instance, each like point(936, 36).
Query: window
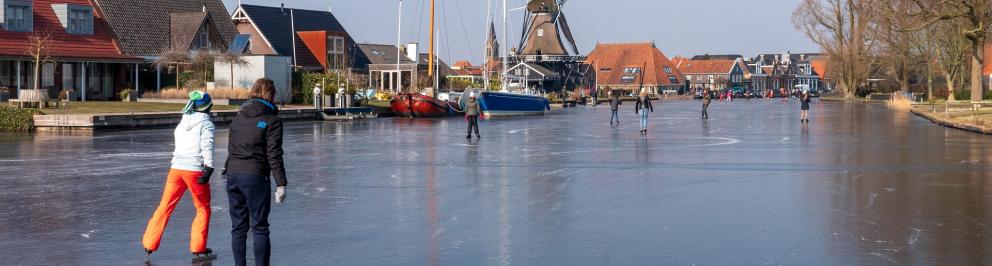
point(628, 78)
point(80, 22)
point(335, 52)
point(668, 70)
point(47, 76)
point(673, 79)
point(632, 70)
point(18, 18)
point(605, 69)
point(202, 39)
point(540, 32)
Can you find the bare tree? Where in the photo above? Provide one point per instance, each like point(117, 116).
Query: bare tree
point(897, 45)
point(202, 62)
point(947, 52)
point(174, 57)
point(842, 28)
point(976, 15)
point(39, 48)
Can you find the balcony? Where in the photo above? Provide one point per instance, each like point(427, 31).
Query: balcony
point(547, 58)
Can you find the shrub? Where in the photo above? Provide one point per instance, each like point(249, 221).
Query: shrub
point(309, 80)
point(14, 119)
point(215, 93)
point(124, 94)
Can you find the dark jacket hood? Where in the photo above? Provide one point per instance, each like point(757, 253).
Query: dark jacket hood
point(258, 107)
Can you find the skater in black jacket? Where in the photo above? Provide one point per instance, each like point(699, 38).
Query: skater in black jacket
point(254, 156)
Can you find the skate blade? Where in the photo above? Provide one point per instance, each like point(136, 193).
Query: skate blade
point(205, 258)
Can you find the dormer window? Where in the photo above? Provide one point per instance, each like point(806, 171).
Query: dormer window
point(80, 22)
point(17, 15)
point(75, 19)
point(202, 39)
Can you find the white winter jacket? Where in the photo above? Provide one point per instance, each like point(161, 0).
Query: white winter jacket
point(194, 143)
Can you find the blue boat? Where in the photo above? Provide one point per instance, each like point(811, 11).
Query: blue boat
point(499, 104)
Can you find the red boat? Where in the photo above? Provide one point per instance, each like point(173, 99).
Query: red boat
point(419, 105)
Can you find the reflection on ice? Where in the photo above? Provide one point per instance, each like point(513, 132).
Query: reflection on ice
point(859, 185)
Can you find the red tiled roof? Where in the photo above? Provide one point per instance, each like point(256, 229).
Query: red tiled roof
point(678, 61)
point(987, 70)
point(616, 57)
point(462, 64)
point(820, 66)
point(707, 66)
point(100, 45)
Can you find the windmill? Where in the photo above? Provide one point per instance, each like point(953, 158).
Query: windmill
point(545, 25)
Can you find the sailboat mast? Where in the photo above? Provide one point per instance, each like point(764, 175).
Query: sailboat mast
point(399, 33)
point(430, 58)
point(485, 56)
point(506, 51)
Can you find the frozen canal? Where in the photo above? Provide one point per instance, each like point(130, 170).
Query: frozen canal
point(859, 185)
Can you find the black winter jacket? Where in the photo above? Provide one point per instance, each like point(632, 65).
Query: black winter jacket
point(643, 103)
point(255, 143)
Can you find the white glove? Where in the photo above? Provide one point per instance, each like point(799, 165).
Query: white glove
point(280, 194)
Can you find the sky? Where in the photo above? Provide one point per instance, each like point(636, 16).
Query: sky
point(682, 27)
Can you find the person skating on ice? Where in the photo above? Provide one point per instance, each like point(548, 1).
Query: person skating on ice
point(255, 157)
point(642, 107)
point(615, 107)
point(805, 100)
point(192, 166)
point(472, 116)
point(706, 103)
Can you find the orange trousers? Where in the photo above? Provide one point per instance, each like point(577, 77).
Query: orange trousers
point(175, 186)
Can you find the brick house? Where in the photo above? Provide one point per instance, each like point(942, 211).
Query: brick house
point(631, 66)
point(85, 59)
point(149, 28)
point(713, 74)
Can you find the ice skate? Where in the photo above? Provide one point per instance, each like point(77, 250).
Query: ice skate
point(206, 255)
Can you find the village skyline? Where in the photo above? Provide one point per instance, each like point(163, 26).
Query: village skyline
point(737, 27)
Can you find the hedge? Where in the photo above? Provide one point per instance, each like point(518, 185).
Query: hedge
point(16, 119)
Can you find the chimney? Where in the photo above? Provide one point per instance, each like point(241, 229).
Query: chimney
point(412, 52)
point(204, 8)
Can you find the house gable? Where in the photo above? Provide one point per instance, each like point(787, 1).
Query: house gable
point(100, 45)
point(245, 25)
point(139, 26)
point(281, 28)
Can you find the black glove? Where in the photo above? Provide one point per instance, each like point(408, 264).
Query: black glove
point(205, 177)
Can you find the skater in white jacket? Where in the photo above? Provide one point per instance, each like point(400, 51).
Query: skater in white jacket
point(192, 166)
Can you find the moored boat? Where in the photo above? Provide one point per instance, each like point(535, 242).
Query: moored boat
point(501, 104)
point(419, 105)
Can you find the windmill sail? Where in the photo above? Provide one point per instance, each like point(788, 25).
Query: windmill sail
point(568, 33)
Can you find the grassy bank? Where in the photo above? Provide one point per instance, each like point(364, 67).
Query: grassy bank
point(14, 119)
point(959, 116)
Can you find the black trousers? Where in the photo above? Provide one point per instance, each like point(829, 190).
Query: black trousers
point(706, 106)
point(473, 123)
point(250, 199)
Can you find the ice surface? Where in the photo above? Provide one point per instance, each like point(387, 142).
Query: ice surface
point(751, 185)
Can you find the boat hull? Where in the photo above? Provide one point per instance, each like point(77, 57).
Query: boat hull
point(501, 104)
point(419, 105)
